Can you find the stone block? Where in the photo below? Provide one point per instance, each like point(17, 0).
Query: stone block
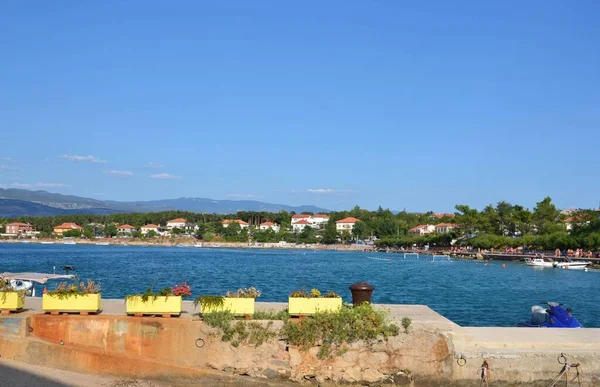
point(371, 375)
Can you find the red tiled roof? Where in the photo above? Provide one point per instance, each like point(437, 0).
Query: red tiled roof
point(300, 216)
point(268, 224)
point(69, 226)
point(348, 220)
point(18, 224)
point(178, 220)
point(127, 226)
point(303, 222)
point(149, 226)
point(445, 225)
point(418, 227)
point(323, 216)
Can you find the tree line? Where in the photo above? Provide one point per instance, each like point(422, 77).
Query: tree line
point(495, 226)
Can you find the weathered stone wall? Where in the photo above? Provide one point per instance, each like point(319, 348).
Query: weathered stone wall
point(156, 347)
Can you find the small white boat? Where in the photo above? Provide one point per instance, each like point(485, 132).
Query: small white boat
point(46, 243)
point(538, 262)
point(569, 265)
point(102, 244)
point(572, 265)
point(69, 243)
point(19, 285)
point(198, 245)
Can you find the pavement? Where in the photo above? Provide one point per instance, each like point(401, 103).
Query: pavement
point(419, 314)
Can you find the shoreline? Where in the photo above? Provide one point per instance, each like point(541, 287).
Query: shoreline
point(191, 243)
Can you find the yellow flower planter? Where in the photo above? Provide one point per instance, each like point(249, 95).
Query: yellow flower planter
point(304, 306)
point(237, 306)
point(11, 300)
point(81, 303)
point(158, 305)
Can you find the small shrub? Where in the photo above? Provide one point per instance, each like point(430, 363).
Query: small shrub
point(333, 330)
point(240, 332)
point(250, 292)
point(282, 315)
point(406, 321)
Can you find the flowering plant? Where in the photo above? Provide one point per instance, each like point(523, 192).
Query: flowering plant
point(250, 292)
point(183, 290)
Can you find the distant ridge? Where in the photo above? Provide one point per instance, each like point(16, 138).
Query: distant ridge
point(20, 202)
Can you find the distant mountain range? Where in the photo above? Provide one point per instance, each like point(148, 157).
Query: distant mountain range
point(20, 202)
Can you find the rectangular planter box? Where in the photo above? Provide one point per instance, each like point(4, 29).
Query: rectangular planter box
point(11, 300)
point(158, 305)
point(83, 303)
point(237, 306)
point(304, 306)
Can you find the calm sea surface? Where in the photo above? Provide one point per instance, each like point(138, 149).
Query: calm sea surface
point(468, 293)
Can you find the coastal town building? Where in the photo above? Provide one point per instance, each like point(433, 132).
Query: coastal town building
point(225, 223)
point(269, 226)
point(299, 225)
point(346, 224)
point(179, 223)
point(145, 229)
point(317, 221)
point(299, 217)
point(422, 229)
point(126, 229)
point(17, 228)
point(443, 228)
point(67, 226)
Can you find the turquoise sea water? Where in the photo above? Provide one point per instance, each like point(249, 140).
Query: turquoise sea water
point(468, 293)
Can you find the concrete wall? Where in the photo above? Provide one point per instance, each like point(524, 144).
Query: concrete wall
point(156, 347)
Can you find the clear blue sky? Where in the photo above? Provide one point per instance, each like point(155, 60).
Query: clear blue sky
point(416, 105)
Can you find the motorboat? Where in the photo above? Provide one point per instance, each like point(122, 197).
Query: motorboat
point(556, 316)
point(24, 281)
point(538, 262)
point(569, 264)
point(20, 285)
point(572, 265)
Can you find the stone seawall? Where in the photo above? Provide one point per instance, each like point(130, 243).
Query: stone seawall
point(433, 351)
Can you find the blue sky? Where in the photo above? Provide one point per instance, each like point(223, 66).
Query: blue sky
point(416, 105)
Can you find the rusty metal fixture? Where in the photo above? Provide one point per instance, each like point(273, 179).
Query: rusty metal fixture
point(200, 343)
point(461, 361)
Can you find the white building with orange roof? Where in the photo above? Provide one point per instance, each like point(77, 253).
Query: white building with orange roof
point(319, 220)
point(179, 223)
point(346, 224)
point(422, 229)
point(145, 229)
point(300, 225)
point(225, 223)
point(443, 228)
point(299, 217)
point(126, 229)
point(67, 226)
point(269, 226)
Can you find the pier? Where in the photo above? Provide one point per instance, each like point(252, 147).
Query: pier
point(433, 351)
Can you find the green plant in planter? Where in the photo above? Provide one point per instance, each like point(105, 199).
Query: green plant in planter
point(215, 302)
point(209, 302)
point(313, 293)
point(65, 290)
point(6, 287)
point(183, 290)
